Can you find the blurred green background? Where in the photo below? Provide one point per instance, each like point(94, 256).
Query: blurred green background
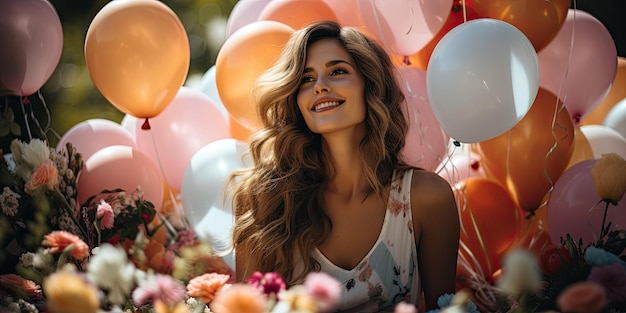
point(69, 96)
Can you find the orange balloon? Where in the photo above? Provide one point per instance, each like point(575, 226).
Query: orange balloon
point(616, 93)
point(531, 156)
point(137, 53)
point(297, 13)
point(582, 148)
point(238, 131)
point(539, 20)
point(490, 222)
point(456, 18)
point(247, 53)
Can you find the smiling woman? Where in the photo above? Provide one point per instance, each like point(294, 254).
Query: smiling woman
point(328, 190)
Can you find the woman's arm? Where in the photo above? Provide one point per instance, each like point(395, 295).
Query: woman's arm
point(437, 231)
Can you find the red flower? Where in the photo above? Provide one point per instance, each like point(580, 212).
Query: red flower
point(553, 258)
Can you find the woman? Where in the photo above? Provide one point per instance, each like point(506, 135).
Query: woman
point(328, 191)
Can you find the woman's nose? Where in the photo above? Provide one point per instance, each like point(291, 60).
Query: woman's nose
point(321, 86)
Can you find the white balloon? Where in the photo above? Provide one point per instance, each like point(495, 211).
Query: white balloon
point(616, 118)
point(206, 208)
point(603, 139)
point(482, 78)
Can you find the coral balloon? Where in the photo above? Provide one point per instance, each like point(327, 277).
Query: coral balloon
point(490, 222)
point(137, 54)
point(457, 17)
point(244, 56)
point(31, 38)
point(190, 122)
point(426, 143)
point(243, 13)
point(345, 12)
point(94, 134)
point(539, 20)
point(486, 69)
point(574, 206)
point(121, 167)
point(531, 156)
point(404, 26)
point(616, 94)
point(297, 13)
point(579, 64)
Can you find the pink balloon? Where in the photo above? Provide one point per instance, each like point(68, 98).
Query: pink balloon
point(94, 134)
point(188, 123)
point(461, 166)
point(404, 26)
point(604, 139)
point(579, 69)
point(426, 143)
point(243, 13)
point(31, 41)
point(121, 167)
point(573, 206)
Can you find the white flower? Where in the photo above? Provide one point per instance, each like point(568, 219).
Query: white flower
point(28, 156)
point(111, 270)
point(27, 259)
point(520, 273)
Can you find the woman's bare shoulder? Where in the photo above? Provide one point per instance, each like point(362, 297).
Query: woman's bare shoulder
point(431, 194)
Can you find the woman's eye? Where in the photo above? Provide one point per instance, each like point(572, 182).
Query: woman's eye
point(338, 71)
point(306, 79)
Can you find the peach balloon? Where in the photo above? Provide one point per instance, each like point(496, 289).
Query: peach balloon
point(137, 53)
point(582, 148)
point(616, 94)
point(531, 156)
point(244, 56)
point(238, 131)
point(297, 13)
point(540, 20)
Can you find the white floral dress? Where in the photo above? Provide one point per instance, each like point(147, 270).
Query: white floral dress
point(388, 274)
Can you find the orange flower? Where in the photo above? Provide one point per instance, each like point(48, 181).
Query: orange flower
point(240, 298)
point(20, 285)
point(44, 174)
point(59, 240)
point(68, 292)
point(205, 287)
point(583, 297)
point(161, 307)
point(609, 177)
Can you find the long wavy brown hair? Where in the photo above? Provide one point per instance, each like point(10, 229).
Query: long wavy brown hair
point(278, 202)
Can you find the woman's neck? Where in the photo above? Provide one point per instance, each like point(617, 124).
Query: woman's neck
point(345, 168)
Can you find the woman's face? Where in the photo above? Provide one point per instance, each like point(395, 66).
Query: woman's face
point(332, 90)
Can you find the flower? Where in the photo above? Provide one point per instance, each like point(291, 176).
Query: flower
point(587, 297)
point(324, 289)
point(295, 299)
point(58, 241)
point(24, 287)
point(609, 177)
point(206, 286)
point(44, 175)
point(612, 278)
point(404, 307)
point(553, 258)
point(520, 273)
point(159, 287)
point(269, 283)
point(105, 214)
point(69, 292)
point(111, 270)
point(240, 298)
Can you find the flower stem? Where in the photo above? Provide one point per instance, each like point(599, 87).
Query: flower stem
point(604, 232)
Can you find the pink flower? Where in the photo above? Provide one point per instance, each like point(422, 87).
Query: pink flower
point(586, 297)
point(325, 289)
point(403, 307)
point(18, 285)
point(269, 283)
point(205, 287)
point(613, 278)
point(105, 214)
point(240, 298)
point(44, 174)
point(159, 287)
point(59, 240)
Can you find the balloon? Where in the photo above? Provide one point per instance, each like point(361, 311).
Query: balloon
point(490, 222)
point(208, 86)
point(582, 148)
point(190, 122)
point(238, 131)
point(616, 118)
point(461, 166)
point(345, 10)
point(579, 68)
point(456, 18)
point(123, 167)
point(485, 90)
point(245, 54)
point(574, 207)
point(31, 38)
point(207, 209)
point(297, 13)
point(540, 21)
point(92, 135)
point(616, 94)
point(404, 26)
point(426, 143)
point(603, 139)
point(243, 13)
point(531, 156)
point(137, 54)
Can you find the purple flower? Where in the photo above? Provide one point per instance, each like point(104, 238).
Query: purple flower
point(270, 283)
point(613, 278)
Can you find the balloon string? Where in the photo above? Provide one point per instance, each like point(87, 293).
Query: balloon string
point(481, 241)
point(25, 102)
point(464, 11)
point(48, 127)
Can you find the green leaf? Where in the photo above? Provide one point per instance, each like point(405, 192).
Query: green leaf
point(4, 128)
point(16, 129)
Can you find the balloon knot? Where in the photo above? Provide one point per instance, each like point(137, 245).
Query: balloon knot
point(456, 143)
point(475, 165)
point(406, 60)
point(145, 125)
point(25, 101)
point(577, 119)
